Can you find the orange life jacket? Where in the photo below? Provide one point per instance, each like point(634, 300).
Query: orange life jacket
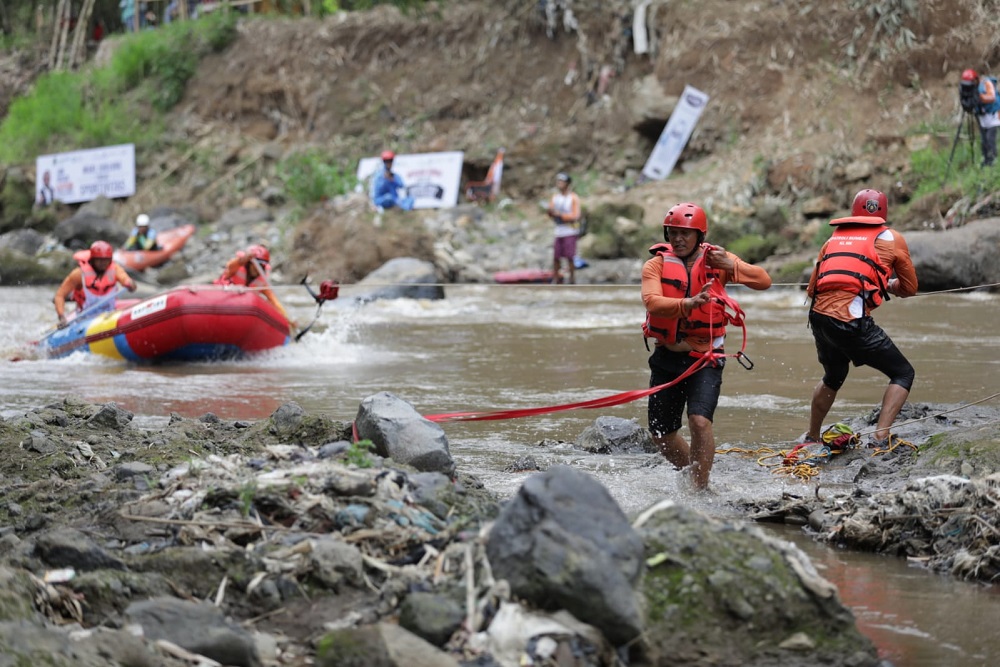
point(851, 263)
point(94, 286)
point(678, 282)
point(240, 278)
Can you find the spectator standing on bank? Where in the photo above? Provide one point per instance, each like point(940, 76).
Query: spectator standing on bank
point(564, 210)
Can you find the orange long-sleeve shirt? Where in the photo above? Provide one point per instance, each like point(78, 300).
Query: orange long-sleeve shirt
point(743, 273)
point(894, 254)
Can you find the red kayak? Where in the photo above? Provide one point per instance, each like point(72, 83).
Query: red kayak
point(170, 241)
point(523, 276)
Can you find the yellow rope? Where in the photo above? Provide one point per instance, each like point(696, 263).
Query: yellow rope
point(894, 442)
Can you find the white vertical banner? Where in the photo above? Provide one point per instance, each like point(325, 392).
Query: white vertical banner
point(676, 134)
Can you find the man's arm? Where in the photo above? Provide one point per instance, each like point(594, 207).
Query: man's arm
point(748, 274)
point(896, 254)
point(124, 279)
point(737, 271)
point(273, 298)
point(72, 282)
point(652, 292)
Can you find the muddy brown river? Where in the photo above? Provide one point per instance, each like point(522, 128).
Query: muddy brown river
point(488, 347)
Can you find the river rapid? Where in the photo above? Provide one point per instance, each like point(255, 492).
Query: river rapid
point(499, 347)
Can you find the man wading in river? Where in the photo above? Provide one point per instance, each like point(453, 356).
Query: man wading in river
point(852, 277)
point(686, 320)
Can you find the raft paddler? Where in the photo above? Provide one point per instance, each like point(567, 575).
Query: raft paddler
point(91, 283)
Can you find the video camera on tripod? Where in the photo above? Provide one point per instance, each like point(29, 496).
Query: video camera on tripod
point(968, 96)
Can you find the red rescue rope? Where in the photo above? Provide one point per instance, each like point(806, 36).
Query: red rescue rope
point(736, 317)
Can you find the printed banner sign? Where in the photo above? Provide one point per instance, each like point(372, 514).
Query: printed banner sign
point(676, 134)
point(432, 179)
point(84, 175)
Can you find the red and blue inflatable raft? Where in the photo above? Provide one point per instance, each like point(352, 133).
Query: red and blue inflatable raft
point(194, 323)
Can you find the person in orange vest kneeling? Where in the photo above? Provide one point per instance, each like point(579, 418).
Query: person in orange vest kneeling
point(91, 284)
point(251, 269)
point(681, 284)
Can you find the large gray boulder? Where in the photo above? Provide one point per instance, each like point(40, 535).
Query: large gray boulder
point(723, 593)
point(86, 227)
point(960, 257)
point(26, 241)
point(563, 543)
point(402, 278)
point(399, 432)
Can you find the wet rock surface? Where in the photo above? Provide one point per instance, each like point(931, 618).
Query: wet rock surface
point(283, 542)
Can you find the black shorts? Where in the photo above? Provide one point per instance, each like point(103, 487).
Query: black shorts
point(861, 342)
point(700, 392)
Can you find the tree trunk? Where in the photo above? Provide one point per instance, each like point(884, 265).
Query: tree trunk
point(54, 49)
point(63, 31)
point(77, 53)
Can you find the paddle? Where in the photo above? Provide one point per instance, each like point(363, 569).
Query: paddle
point(328, 291)
point(98, 303)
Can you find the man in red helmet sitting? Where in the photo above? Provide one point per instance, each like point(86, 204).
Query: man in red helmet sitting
point(685, 320)
point(386, 185)
point(978, 95)
point(91, 283)
point(251, 268)
point(861, 264)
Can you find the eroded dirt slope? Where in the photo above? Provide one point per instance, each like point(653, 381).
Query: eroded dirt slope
point(477, 76)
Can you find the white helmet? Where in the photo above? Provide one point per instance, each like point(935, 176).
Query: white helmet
point(142, 220)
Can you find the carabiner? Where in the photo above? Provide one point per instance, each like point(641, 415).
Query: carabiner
point(745, 364)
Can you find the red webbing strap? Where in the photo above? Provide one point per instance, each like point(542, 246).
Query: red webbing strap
point(710, 356)
point(605, 402)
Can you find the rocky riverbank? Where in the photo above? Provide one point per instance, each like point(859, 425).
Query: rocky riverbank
point(288, 542)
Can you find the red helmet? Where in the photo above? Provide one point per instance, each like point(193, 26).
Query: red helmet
point(260, 253)
point(101, 249)
point(870, 203)
point(688, 216)
point(388, 156)
point(970, 75)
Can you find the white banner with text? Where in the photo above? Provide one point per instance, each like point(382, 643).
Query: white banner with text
point(432, 179)
point(84, 175)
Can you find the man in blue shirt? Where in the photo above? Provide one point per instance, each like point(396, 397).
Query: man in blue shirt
point(386, 185)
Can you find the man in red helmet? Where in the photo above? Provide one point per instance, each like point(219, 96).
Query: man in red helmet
point(978, 95)
point(386, 185)
point(92, 282)
point(685, 319)
point(251, 268)
point(858, 268)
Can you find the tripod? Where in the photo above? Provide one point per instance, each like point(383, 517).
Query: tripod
point(968, 119)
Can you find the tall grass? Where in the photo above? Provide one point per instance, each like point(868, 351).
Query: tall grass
point(122, 102)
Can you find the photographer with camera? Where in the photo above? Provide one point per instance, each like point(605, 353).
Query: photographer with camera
point(978, 96)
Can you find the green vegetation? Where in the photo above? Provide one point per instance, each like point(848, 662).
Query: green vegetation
point(931, 172)
point(310, 177)
point(98, 106)
point(357, 453)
